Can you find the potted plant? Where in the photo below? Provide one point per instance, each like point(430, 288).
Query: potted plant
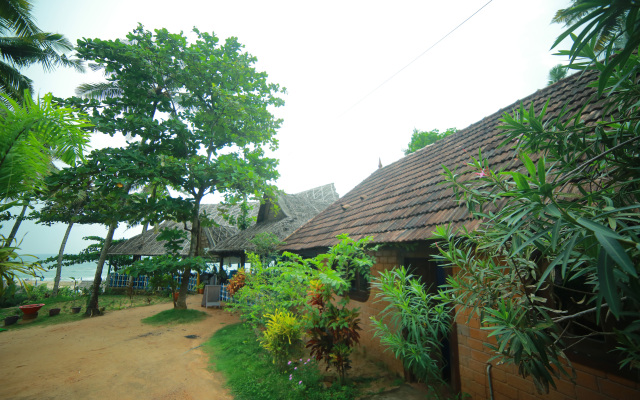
point(75, 309)
point(30, 311)
point(12, 319)
point(54, 312)
point(200, 287)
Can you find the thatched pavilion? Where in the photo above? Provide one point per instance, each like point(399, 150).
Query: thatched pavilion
point(224, 242)
point(281, 218)
point(145, 244)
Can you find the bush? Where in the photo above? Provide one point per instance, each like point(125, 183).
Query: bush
point(237, 282)
point(267, 289)
point(413, 324)
point(283, 337)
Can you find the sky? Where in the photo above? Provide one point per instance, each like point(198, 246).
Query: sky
point(360, 75)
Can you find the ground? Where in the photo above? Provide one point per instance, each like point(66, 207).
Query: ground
point(113, 356)
point(116, 356)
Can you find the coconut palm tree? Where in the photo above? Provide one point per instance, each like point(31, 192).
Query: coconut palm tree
point(556, 73)
point(23, 44)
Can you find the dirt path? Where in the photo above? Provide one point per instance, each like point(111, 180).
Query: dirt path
point(112, 357)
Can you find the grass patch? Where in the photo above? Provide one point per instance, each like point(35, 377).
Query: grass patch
point(175, 316)
point(109, 302)
point(251, 375)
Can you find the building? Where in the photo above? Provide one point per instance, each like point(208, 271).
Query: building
point(401, 204)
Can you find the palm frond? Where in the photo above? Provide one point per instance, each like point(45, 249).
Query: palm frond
point(15, 16)
point(13, 83)
point(99, 91)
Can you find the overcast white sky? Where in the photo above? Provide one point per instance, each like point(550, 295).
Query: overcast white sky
point(330, 55)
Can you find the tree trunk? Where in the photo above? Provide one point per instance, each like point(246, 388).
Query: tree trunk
point(16, 225)
point(193, 251)
point(92, 304)
point(56, 281)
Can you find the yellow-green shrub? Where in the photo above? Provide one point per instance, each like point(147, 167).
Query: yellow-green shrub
point(283, 337)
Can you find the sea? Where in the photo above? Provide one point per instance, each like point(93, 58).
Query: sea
point(81, 272)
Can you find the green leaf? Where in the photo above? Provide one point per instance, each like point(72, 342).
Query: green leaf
point(617, 253)
point(598, 228)
point(607, 283)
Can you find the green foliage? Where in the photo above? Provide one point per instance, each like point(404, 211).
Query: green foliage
point(162, 270)
point(600, 24)
point(237, 282)
point(173, 239)
point(557, 259)
point(347, 259)
point(12, 263)
point(23, 44)
point(91, 253)
point(202, 113)
point(556, 73)
point(267, 289)
point(282, 337)
point(306, 288)
point(266, 246)
point(175, 316)
point(420, 139)
point(251, 375)
point(413, 324)
point(31, 135)
point(332, 330)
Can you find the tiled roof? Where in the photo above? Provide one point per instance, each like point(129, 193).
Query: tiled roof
point(406, 200)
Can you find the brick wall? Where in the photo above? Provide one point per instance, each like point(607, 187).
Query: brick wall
point(385, 259)
point(590, 384)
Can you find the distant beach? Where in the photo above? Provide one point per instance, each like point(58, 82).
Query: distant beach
point(81, 272)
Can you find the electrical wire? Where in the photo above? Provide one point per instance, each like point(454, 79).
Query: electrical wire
point(415, 59)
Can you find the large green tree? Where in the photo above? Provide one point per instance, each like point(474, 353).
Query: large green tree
point(557, 262)
point(420, 139)
point(23, 44)
point(199, 112)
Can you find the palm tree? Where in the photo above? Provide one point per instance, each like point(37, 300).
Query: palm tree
point(556, 73)
point(23, 44)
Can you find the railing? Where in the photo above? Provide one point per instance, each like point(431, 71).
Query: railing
point(224, 294)
point(141, 282)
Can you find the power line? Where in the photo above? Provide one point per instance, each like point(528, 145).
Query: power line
point(414, 60)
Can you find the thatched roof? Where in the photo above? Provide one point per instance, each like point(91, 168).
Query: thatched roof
point(293, 211)
point(145, 244)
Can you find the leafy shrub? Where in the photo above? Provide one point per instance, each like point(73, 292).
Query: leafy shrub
point(283, 337)
point(267, 289)
point(237, 282)
point(413, 324)
point(333, 330)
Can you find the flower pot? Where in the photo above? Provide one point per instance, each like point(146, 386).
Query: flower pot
point(54, 311)
point(30, 311)
point(75, 310)
point(11, 320)
point(200, 291)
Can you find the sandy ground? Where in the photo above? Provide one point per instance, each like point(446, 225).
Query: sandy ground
point(114, 356)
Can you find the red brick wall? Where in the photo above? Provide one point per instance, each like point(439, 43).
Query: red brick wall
point(385, 259)
point(590, 384)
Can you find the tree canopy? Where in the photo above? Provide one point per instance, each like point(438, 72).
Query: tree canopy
point(420, 139)
point(199, 120)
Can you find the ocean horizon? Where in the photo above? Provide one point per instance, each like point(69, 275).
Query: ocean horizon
point(81, 272)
